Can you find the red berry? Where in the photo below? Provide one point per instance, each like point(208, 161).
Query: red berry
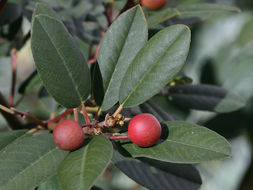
point(68, 135)
point(144, 130)
point(153, 4)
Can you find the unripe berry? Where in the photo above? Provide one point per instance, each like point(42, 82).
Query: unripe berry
point(153, 4)
point(68, 135)
point(144, 130)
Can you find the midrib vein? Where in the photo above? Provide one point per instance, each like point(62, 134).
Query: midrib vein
point(149, 69)
point(122, 47)
point(61, 57)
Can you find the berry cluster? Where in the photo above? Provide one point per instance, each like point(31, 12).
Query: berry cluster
point(144, 130)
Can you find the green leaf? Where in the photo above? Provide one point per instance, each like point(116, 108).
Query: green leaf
point(29, 161)
point(43, 9)
point(97, 84)
point(205, 97)
point(60, 64)
point(81, 168)
point(155, 174)
point(157, 62)
point(11, 12)
point(157, 17)
point(186, 143)
point(204, 10)
point(51, 184)
point(8, 137)
point(123, 40)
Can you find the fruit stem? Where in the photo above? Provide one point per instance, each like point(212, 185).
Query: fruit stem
point(85, 114)
point(120, 108)
point(75, 115)
point(62, 115)
point(119, 137)
point(98, 113)
point(88, 125)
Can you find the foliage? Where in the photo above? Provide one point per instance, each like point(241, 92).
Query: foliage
point(99, 61)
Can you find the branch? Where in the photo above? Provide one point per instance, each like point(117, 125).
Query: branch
point(108, 12)
point(11, 119)
point(119, 137)
point(85, 114)
point(29, 115)
point(62, 115)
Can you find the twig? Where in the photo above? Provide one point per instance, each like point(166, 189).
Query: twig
point(108, 12)
point(120, 108)
point(75, 115)
point(12, 111)
point(85, 114)
point(14, 74)
point(88, 125)
point(62, 115)
point(98, 113)
point(94, 59)
point(11, 119)
point(119, 137)
point(30, 116)
point(6, 109)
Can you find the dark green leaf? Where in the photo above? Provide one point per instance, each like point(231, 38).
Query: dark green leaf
point(155, 174)
point(186, 143)
point(10, 13)
point(157, 111)
point(157, 62)
point(81, 168)
point(28, 161)
point(204, 10)
point(8, 137)
point(205, 97)
point(11, 30)
point(33, 81)
point(123, 40)
point(60, 64)
point(157, 17)
point(97, 84)
point(169, 107)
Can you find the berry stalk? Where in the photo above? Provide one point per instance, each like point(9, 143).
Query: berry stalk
point(119, 137)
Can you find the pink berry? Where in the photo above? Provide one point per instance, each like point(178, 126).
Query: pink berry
point(68, 135)
point(153, 4)
point(144, 130)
